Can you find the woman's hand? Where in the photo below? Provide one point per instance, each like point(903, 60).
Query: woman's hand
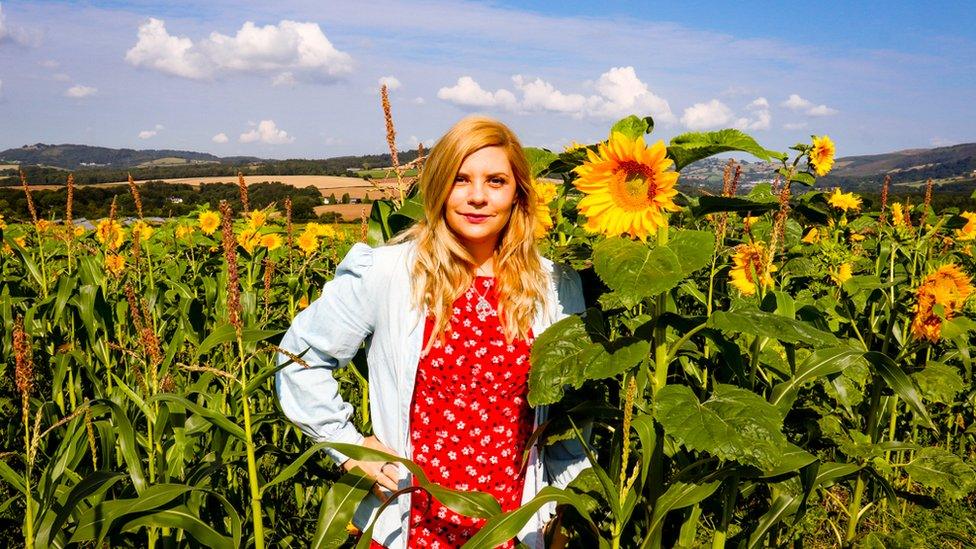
point(385, 473)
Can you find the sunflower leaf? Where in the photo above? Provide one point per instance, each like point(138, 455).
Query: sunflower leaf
point(937, 468)
point(690, 147)
point(635, 270)
point(539, 160)
point(633, 126)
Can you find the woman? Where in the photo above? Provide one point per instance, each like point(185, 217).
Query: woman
point(449, 314)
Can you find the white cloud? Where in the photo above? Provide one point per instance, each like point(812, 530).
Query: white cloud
point(414, 141)
point(703, 116)
point(419, 100)
point(623, 94)
point(821, 110)
point(266, 132)
point(468, 93)
point(619, 93)
point(286, 78)
point(289, 46)
point(796, 103)
point(794, 125)
point(146, 134)
point(220, 138)
point(541, 95)
point(391, 82)
point(759, 103)
point(760, 117)
point(78, 91)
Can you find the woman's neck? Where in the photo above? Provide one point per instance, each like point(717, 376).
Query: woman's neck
point(484, 260)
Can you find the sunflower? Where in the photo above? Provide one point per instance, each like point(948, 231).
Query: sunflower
point(2, 224)
point(308, 242)
point(271, 241)
point(143, 229)
point(812, 236)
point(21, 241)
point(303, 303)
point(256, 219)
point(844, 201)
point(968, 232)
point(545, 193)
point(822, 155)
point(573, 146)
point(628, 187)
point(949, 288)
point(114, 264)
point(748, 221)
point(248, 239)
point(209, 221)
point(842, 274)
point(319, 229)
point(109, 232)
point(748, 268)
point(184, 232)
point(79, 230)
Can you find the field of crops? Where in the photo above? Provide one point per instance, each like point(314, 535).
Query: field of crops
point(762, 368)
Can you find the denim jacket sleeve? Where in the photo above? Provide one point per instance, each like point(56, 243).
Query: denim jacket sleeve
point(329, 332)
point(566, 458)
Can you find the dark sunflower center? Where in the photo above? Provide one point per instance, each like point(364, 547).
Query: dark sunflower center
point(639, 179)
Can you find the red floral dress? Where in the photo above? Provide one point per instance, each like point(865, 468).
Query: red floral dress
point(470, 419)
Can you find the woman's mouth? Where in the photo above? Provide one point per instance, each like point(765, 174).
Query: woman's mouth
point(476, 218)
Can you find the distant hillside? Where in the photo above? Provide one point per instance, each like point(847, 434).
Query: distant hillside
point(74, 157)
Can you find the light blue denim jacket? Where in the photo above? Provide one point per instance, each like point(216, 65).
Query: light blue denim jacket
point(370, 300)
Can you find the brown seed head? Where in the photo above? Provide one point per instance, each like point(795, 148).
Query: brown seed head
point(30, 197)
point(884, 199)
point(245, 202)
point(230, 256)
point(112, 209)
point(363, 226)
point(269, 267)
point(390, 129)
point(23, 358)
point(135, 195)
point(68, 221)
point(288, 227)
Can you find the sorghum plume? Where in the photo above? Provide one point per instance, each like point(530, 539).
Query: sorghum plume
point(269, 267)
point(288, 227)
point(130, 296)
point(421, 153)
point(391, 139)
point(363, 226)
point(69, 206)
point(151, 343)
point(112, 208)
point(135, 195)
point(230, 256)
point(928, 195)
point(245, 202)
point(727, 177)
point(779, 224)
point(884, 199)
point(136, 248)
point(735, 180)
point(30, 198)
point(24, 370)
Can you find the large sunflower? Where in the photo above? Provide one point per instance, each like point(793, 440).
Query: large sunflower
point(628, 187)
point(747, 270)
point(947, 287)
point(822, 155)
point(844, 201)
point(545, 193)
point(968, 232)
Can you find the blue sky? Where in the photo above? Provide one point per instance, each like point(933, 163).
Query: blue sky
point(299, 79)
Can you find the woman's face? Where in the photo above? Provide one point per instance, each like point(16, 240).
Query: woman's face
point(482, 198)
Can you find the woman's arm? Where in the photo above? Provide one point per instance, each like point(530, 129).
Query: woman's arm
point(329, 332)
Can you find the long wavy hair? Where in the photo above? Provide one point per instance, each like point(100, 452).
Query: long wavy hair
point(444, 269)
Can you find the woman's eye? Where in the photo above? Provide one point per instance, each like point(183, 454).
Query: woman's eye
point(499, 181)
point(459, 179)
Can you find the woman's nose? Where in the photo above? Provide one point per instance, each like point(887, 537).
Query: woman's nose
point(477, 194)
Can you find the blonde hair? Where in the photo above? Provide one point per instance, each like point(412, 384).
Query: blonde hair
point(443, 269)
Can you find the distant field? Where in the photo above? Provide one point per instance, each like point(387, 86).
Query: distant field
point(383, 173)
point(937, 182)
point(9, 167)
point(326, 184)
point(349, 212)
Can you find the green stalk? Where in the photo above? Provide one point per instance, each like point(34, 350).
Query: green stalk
point(28, 501)
point(721, 534)
point(656, 473)
point(252, 468)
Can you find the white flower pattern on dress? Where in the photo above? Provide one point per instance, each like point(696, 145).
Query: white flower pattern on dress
point(470, 419)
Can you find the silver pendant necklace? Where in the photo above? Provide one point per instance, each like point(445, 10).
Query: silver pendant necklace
point(483, 308)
